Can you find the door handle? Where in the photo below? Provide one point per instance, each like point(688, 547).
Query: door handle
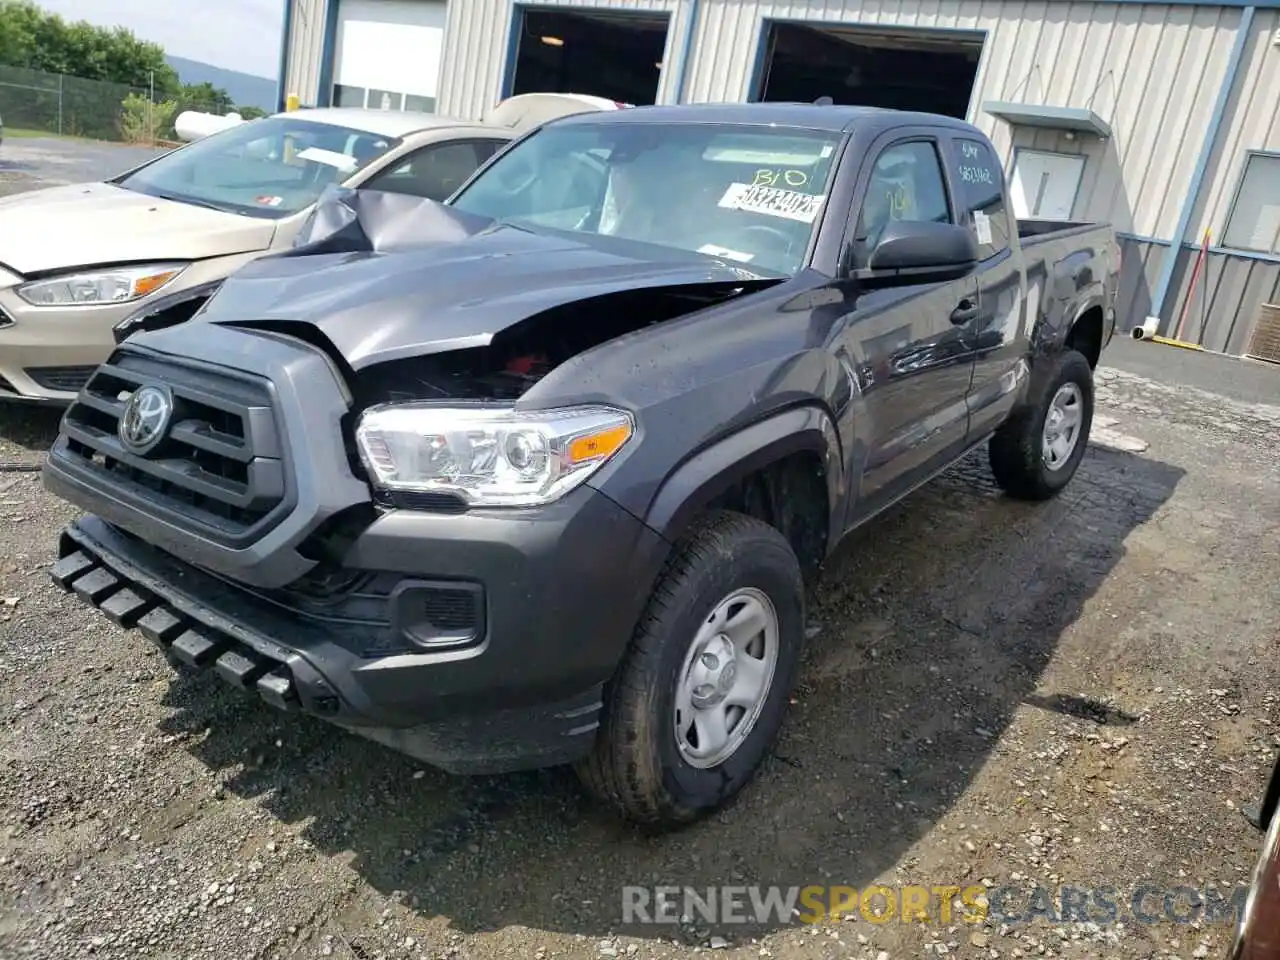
point(965, 311)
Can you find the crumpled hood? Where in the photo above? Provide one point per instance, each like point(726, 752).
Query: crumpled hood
point(456, 291)
point(99, 223)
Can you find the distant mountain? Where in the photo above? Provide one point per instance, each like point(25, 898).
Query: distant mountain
point(245, 89)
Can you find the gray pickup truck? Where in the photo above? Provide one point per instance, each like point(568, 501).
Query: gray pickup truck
point(537, 476)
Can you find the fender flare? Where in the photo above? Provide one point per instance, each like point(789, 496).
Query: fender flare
point(1086, 300)
point(698, 479)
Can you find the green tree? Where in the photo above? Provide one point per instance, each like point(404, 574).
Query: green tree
point(32, 38)
point(142, 121)
point(206, 98)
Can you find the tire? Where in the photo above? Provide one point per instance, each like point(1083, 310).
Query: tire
point(1016, 451)
point(637, 767)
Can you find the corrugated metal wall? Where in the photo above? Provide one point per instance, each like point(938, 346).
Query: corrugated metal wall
point(1253, 122)
point(478, 39)
point(1223, 308)
point(306, 44)
point(1151, 70)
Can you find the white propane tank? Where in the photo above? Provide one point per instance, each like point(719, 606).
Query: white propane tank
point(192, 124)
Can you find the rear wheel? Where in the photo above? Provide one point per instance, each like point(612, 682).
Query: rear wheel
point(1036, 453)
point(701, 695)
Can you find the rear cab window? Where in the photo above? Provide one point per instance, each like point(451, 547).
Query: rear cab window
point(979, 183)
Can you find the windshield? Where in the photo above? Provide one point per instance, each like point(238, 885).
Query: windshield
point(749, 194)
point(272, 167)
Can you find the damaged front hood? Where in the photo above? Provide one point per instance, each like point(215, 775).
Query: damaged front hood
point(408, 277)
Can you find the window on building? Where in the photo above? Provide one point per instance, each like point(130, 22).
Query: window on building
point(435, 172)
point(906, 184)
point(344, 96)
point(1254, 221)
point(979, 179)
point(348, 96)
point(385, 100)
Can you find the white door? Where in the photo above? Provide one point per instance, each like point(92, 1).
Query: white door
point(387, 54)
point(1044, 185)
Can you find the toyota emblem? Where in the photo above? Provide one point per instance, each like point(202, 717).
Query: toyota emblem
point(145, 418)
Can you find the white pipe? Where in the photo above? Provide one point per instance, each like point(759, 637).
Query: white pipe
point(193, 125)
point(1149, 328)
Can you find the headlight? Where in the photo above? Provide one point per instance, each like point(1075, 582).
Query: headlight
point(118, 285)
point(489, 456)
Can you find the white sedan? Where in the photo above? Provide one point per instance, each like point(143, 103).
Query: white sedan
point(76, 260)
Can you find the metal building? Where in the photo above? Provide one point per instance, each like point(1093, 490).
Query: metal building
point(1163, 118)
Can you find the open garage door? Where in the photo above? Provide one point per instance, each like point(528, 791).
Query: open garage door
point(900, 69)
point(612, 55)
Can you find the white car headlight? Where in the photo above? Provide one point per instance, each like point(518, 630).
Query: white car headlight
point(489, 456)
point(114, 285)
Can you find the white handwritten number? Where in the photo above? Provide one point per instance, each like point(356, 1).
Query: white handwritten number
point(976, 175)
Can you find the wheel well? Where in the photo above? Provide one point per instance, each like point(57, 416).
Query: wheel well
point(1086, 335)
point(790, 495)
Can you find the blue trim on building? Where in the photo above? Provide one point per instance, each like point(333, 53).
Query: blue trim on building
point(282, 76)
point(755, 79)
point(1233, 4)
point(328, 50)
point(1188, 245)
point(1139, 238)
point(514, 26)
point(694, 9)
point(1161, 294)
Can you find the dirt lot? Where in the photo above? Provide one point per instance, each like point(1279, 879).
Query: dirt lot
point(1080, 693)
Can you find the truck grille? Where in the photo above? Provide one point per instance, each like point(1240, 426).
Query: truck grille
point(217, 464)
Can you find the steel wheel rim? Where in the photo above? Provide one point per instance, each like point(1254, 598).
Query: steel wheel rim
point(1062, 424)
point(725, 679)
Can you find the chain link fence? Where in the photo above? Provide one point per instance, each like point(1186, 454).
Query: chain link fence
point(61, 104)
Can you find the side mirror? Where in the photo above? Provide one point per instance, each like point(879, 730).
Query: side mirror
point(920, 252)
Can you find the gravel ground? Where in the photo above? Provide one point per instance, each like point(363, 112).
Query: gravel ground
point(1020, 697)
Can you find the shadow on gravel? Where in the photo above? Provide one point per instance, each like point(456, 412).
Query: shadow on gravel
point(936, 624)
point(27, 431)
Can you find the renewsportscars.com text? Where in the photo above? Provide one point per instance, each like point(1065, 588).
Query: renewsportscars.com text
point(937, 904)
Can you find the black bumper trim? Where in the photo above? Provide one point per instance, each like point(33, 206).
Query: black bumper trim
point(195, 630)
point(94, 583)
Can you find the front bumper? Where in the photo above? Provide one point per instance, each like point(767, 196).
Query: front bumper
point(557, 599)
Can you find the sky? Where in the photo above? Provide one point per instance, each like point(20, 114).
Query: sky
point(234, 34)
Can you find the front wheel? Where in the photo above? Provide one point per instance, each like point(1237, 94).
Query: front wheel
point(1037, 451)
point(700, 697)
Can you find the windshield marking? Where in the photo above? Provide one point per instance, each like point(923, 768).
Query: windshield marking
point(342, 161)
point(712, 250)
point(773, 202)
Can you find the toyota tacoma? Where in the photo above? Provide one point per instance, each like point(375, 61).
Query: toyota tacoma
point(537, 475)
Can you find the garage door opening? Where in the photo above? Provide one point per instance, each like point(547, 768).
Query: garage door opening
point(896, 69)
point(617, 56)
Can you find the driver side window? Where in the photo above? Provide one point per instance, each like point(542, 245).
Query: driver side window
point(906, 184)
point(435, 171)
